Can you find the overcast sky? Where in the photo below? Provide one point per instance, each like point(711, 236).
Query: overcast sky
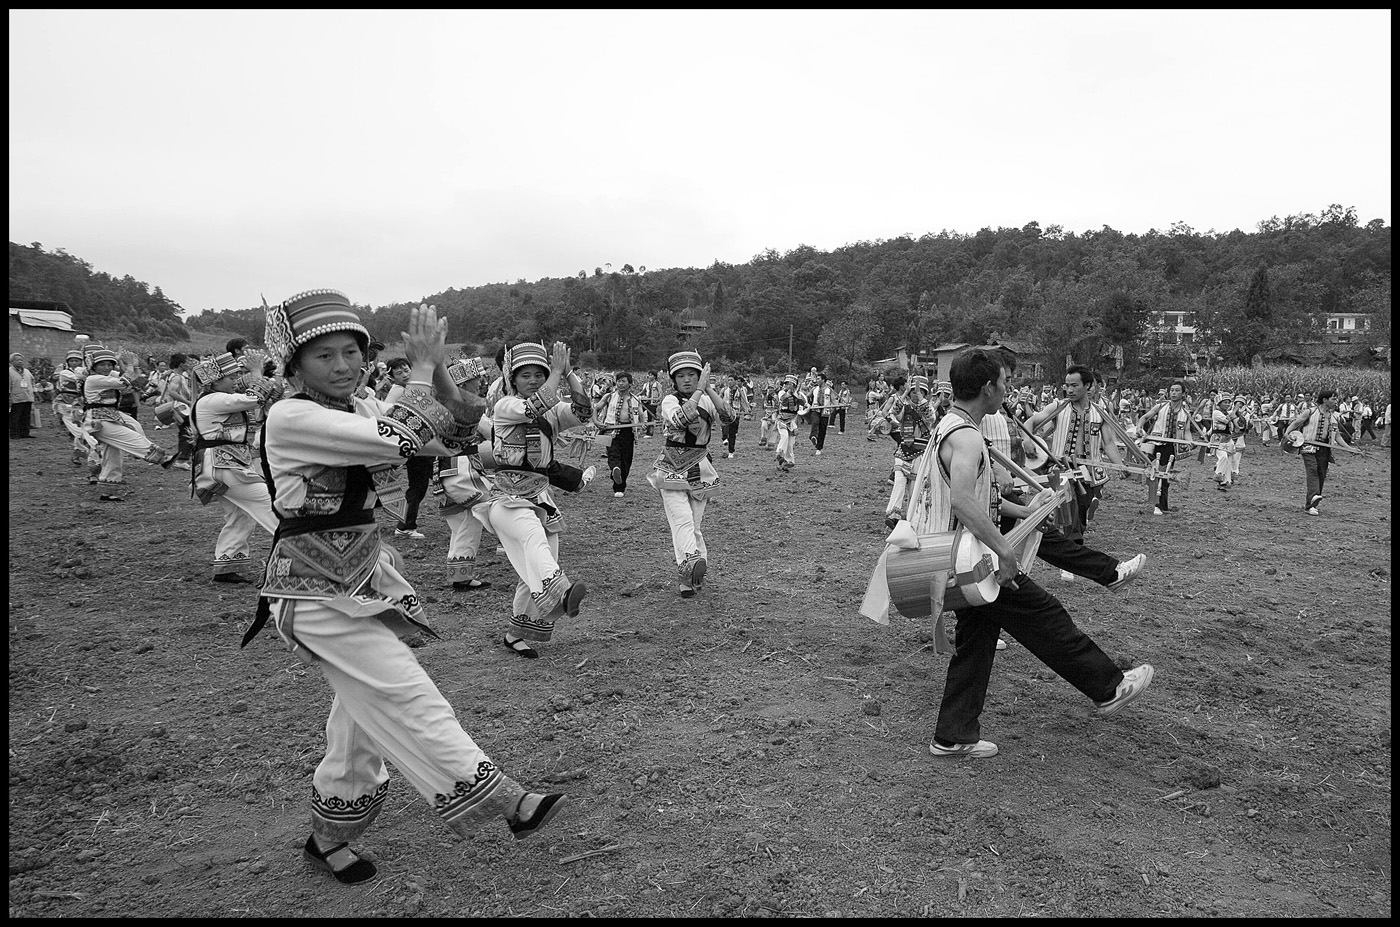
point(223, 155)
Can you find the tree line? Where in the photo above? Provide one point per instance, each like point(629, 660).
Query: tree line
point(97, 300)
point(1087, 296)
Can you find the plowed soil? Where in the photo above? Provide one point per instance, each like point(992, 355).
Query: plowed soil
point(760, 749)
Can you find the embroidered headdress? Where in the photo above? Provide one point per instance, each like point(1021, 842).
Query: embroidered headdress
point(790, 380)
point(100, 355)
point(207, 371)
point(919, 381)
point(74, 355)
point(468, 368)
point(295, 321)
point(525, 354)
point(683, 359)
point(943, 386)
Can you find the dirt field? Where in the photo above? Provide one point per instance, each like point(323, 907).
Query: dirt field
point(760, 749)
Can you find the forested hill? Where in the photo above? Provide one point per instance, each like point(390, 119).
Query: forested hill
point(97, 301)
point(1078, 294)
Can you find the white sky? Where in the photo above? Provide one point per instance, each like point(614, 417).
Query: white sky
point(392, 155)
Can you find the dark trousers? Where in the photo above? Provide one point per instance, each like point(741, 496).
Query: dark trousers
point(620, 451)
point(1368, 427)
point(819, 426)
point(1164, 454)
point(841, 414)
point(184, 449)
point(651, 408)
point(420, 474)
point(1315, 466)
point(1058, 550)
point(1037, 621)
point(20, 413)
point(730, 432)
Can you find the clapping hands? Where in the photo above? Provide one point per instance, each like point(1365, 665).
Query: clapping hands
point(426, 338)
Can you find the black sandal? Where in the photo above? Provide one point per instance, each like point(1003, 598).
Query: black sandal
point(361, 870)
point(107, 497)
point(472, 585)
point(520, 647)
point(543, 814)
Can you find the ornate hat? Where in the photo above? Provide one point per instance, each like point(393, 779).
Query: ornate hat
point(683, 359)
point(468, 368)
point(207, 371)
point(943, 386)
point(525, 354)
point(919, 381)
point(100, 355)
point(790, 379)
point(295, 321)
point(74, 355)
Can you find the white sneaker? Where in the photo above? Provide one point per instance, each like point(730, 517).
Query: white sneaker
point(1135, 682)
point(1001, 644)
point(410, 533)
point(588, 475)
point(1066, 576)
point(617, 495)
point(979, 750)
point(1156, 511)
point(819, 453)
point(1314, 511)
point(1127, 572)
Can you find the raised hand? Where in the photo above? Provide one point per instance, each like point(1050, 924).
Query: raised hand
point(559, 359)
point(426, 338)
point(704, 382)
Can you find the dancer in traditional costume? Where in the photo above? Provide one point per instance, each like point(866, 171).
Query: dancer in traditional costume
point(68, 404)
point(1169, 418)
point(1078, 431)
point(683, 472)
point(914, 419)
point(337, 592)
point(223, 468)
point(463, 480)
point(789, 405)
point(115, 432)
point(521, 509)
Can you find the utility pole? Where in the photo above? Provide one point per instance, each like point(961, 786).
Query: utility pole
point(789, 349)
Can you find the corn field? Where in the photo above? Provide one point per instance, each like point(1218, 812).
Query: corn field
point(1275, 379)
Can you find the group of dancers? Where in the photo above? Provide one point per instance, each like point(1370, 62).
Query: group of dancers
point(309, 453)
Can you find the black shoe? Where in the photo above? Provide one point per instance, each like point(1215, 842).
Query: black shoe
point(891, 521)
point(520, 647)
point(544, 813)
point(231, 578)
point(361, 870)
point(472, 585)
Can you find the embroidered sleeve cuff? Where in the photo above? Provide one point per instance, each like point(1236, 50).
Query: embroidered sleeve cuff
point(583, 412)
point(688, 412)
point(540, 403)
point(420, 418)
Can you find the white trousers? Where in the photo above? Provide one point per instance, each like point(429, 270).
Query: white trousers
point(786, 434)
point(534, 554)
point(463, 545)
point(685, 514)
point(246, 505)
point(387, 708)
point(1227, 459)
point(117, 438)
